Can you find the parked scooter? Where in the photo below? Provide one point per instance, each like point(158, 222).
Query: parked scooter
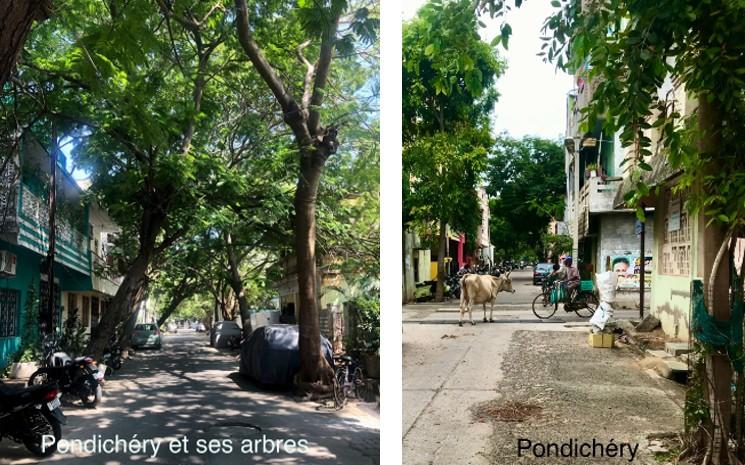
point(28, 414)
point(79, 377)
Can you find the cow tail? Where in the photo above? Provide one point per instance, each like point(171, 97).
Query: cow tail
point(463, 291)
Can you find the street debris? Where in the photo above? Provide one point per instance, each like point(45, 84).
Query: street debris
point(448, 336)
point(648, 324)
point(510, 411)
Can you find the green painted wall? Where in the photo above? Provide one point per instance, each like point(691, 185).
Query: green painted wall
point(27, 272)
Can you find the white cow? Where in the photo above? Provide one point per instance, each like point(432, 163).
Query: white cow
point(480, 289)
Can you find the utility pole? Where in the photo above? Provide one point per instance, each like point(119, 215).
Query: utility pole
point(47, 324)
point(642, 271)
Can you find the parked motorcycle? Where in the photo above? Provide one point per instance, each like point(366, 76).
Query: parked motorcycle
point(28, 414)
point(112, 358)
point(79, 377)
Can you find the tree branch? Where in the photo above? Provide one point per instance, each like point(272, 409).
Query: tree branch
point(309, 74)
point(322, 73)
point(292, 112)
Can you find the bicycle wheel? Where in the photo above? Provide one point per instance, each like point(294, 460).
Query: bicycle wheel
point(591, 304)
point(360, 384)
point(340, 393)
point(543, 308)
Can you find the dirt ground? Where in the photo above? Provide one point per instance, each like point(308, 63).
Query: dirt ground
point(555, 389)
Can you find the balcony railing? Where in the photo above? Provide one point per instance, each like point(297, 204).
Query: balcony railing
point(598, 194)
point(33, 233)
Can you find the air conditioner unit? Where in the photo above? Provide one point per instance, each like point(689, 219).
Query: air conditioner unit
point(7, 263)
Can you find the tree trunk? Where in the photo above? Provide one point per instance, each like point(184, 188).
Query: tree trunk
point(718, 365)
point(172, 306)
point(16, 19)
point(121, 305)
point(311, 362)
point(236, 283)
point(440, 292)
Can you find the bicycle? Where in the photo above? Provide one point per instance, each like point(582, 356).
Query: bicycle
point(584, 303)
point(348, 380)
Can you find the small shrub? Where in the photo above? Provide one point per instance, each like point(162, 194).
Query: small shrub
point(367, 331)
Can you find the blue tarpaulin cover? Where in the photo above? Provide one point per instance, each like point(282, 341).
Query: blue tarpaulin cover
point(270, 355)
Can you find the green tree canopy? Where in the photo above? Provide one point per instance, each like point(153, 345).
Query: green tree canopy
point(527, 185)
point(448, 88)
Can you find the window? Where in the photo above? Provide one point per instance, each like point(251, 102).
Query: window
point(675, 256)
point(72, 305)
point(94, 313)
point(10, 300)
point(86, 312)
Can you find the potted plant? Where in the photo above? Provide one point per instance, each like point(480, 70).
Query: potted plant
point(591, 170)
point(25, 363)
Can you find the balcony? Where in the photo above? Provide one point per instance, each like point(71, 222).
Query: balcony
point(101, 279)
point(33, 227)
point(595, 197)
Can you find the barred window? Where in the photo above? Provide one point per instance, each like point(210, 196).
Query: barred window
point(675, 256)
point(10, 300)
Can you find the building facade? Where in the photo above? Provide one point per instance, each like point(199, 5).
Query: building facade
point(606, 236)
point(420, 260)
point(24, 243)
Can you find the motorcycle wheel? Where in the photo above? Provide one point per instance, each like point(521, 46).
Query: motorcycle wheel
point(90, 392)
point(41, 424)
point(116, 363)
point(40, 376)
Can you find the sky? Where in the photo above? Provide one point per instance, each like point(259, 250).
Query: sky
point(533, 93)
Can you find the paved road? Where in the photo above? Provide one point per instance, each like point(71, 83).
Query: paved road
point(447, 369)
point(189, 389)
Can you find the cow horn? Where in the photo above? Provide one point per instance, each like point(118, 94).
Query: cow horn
point(508, 274)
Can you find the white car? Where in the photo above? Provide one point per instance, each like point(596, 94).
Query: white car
point(225, 334)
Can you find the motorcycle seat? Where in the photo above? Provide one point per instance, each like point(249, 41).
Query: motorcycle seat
point(11, 396)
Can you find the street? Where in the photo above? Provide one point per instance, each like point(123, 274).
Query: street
point(451, 372)
point(190, 389)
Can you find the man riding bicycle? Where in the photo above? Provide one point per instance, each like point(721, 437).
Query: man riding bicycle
point(569, 276)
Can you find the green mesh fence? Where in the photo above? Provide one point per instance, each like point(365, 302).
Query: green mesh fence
point(718, 334)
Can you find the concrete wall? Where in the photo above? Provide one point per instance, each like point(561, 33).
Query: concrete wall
point(618, 238)
point(671, 299)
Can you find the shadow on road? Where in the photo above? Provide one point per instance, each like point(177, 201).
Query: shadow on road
point(189, 389)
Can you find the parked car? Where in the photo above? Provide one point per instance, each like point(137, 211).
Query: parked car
point(271, 357)
point(146, 335)
point(225, 333)
point(540, 271)
point(200, 328)
point(171, 327)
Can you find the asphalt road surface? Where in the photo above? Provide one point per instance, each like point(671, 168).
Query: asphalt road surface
point(191, 390)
